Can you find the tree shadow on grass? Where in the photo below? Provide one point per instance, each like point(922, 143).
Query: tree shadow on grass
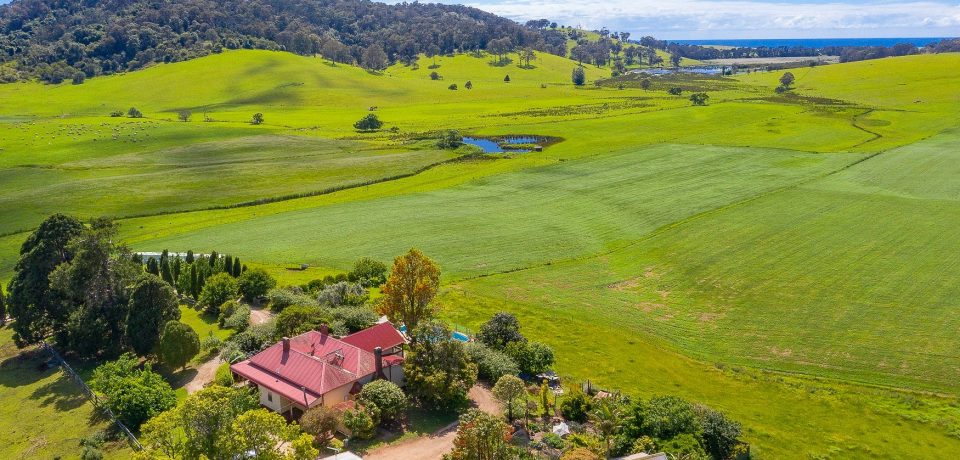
point(177, 378)
point(99, 417)
point(63, 393)
point(25, 368)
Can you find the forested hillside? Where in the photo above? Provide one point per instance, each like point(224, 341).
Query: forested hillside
point(58, 40)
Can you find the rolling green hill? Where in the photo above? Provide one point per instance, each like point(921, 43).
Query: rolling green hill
point(782, 257)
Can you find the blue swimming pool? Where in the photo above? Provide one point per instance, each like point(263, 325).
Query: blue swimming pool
point(456, 335)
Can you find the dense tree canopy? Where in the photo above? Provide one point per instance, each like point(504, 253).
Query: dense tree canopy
point(481, 436)
point(152, 304)
point(437, 369)
point(29, 300)
point(221, 423)
point(216, 290)
point(94, 287)
point(61, 40)
point(134, 395)
point(255, 283)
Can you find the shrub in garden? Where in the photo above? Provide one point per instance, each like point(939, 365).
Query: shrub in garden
point(223, 377)
point(385, 396)
point(179, 343)
point(282, 298)
point(134, 395)
point(218, 289)
point(491, 364)
point(362, 421)
point(255, 283)
point(576, 406)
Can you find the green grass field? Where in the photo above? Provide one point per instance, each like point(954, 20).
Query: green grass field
point(783, 257)
point(44, 414)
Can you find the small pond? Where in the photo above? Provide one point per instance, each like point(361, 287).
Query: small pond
point(496, 145)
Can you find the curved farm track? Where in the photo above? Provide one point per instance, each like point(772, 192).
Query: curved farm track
point(441, 442)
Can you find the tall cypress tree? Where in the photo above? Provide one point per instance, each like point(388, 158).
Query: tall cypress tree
point(152, 266)
point(201, 280)
point(236, 267)
point(165, 272)
point(190, 256)
point(228, 264)
point(213, 259)
point(194, 291)
point(177, 266)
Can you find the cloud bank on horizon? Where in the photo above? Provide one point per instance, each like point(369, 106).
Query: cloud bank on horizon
point(708, 19)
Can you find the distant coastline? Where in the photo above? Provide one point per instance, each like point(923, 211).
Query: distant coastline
point(810, 42)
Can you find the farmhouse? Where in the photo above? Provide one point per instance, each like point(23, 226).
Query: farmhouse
point(317, 368)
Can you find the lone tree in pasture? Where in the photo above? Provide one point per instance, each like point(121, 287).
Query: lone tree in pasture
point(410, 288)
point(434, 76)
point(699, 98)
point(184, 115)
point(374, 58)
point(134, 113)
point(257, 119)
point(179, 343)
point(579, 76)
point(506, 79)
point(452, 87)
point(468, 84)
point(368, 123)
point(675, 91)
point(787, 79)
point(645, 84)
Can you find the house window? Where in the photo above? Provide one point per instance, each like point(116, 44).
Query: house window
point(269, 396)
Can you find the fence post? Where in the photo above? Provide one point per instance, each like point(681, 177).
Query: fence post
point(90, 394)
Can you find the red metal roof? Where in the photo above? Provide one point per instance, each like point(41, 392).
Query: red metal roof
point(314, 362)
point(383, 335)
point(278, 385)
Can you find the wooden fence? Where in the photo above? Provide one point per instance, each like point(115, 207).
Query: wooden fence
point(90, 394)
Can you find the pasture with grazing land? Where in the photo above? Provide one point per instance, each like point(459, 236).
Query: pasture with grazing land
point(783, 257)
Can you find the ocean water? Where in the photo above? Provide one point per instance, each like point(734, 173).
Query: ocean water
point(812, 42)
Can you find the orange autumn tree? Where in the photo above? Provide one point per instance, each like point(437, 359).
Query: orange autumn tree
point(413, 283)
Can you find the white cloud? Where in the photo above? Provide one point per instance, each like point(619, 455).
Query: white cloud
point(733, 17)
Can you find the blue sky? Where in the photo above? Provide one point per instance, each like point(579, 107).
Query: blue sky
point(706, 19)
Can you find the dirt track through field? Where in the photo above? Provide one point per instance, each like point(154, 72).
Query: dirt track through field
point(208, 370)
point(434, 446)
point(205, 374)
